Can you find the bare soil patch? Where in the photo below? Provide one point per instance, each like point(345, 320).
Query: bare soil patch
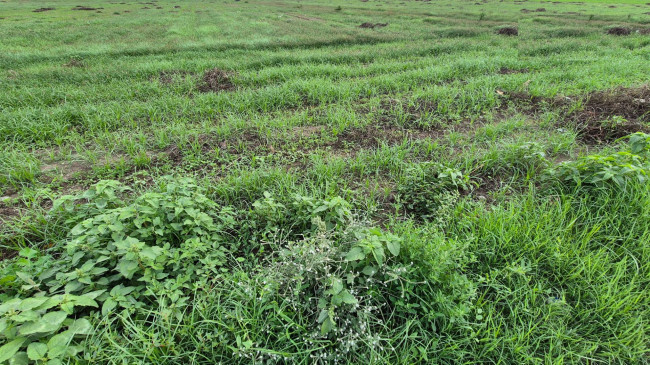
point(605, 115)
point(484, 185)
point(508, 31)
point(369, 137)
point(66, 170)
point(215, 80)
point(373, 25)
point(74, 62)
point(40, 10)
point(619, 31)
point(86, 8)
point(509, 71)
point(8, 213)
point(167, 77)
point(609, 115)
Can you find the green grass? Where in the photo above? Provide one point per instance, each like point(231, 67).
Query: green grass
point(503, 214)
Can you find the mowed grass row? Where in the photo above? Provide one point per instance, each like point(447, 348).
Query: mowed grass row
point(268, 182)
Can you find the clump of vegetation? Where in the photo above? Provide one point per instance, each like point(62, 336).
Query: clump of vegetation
point(155, 252)
point(215, 80)
point(620, 169)
point(428, 190)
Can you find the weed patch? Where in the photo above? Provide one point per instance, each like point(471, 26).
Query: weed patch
point(622, 169)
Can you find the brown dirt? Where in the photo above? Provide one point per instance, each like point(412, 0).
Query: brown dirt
point(413, 111)
point(215, 80)
point(529, 104)
point(483, 187)
point(66, 170)
point(307, 131)
point(619, 31)
point(645, 31)
point(74, 62)
point(508, 31)
point(79, 7)
point(369, 137)
point(40, 10)
point(508, 71)
point(8, 213)
point(177, 7)
point(373, 25)
point(167, 77)
point(632, 104)
point(595, 122)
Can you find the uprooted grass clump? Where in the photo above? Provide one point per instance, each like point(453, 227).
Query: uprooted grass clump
point(608, 115)
point(86, 8)
point(215, 80)
point(373, 25)
point(508, 31)
point(619, 31)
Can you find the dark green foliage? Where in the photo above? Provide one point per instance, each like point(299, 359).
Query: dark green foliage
point(429, 188)
point(630, 166)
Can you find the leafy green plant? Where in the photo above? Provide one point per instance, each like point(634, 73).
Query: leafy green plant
point(119, 257)
point(348, 280)
point(299, 213)
point(429, 187)
point(630, 165)
point(41, 328)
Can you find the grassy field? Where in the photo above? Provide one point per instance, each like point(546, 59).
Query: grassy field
point(364, 182)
